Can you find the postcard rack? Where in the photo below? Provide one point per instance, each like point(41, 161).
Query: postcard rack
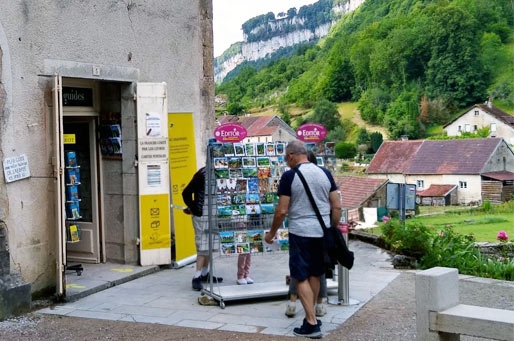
point(241, 196)
point(73, 205)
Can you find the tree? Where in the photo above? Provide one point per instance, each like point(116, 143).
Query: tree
point(376, 140)
point(345, 150)
point(326, 113)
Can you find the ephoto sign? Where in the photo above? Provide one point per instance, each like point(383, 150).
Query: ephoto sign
point(311, 132)
point(230, 132)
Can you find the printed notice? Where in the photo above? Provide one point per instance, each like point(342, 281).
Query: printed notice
point(153, 149)
point(16, 168)
point(153, 124)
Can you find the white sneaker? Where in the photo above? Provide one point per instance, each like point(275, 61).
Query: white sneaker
point(290, 309)
point(321, 310)
point(249, 280)
point(241, 281)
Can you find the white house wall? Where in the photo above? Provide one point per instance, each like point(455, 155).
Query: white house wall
point(483, 119)
point(150, 41)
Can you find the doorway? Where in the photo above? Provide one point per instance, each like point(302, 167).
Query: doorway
point(82, 191)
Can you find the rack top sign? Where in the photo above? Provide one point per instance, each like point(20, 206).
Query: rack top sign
point(230, 132)
point(311, 132)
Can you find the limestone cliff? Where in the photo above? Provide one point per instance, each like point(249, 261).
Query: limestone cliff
point(284, 31)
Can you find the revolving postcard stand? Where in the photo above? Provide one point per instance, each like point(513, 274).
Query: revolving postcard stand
point(242, 184)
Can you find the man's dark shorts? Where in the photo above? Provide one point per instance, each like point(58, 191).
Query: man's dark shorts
point(305, 257)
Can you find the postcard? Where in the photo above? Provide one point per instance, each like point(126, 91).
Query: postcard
point(239, 149)
point(268, 208)
point(256, 247)
point(330, 148)
point(240, 236)
point(263, 173)
point(249, 149)
point(250, 172)
point(235, 173)
point(221, 186)
point(255, 235)
point(264, 185)
point(248, 161)
point(241, 185)
point(223, 200)
point(220, 162)
point(253, 209)
point(253, 185)
point(234, 162)
point(252, 198)
point(263, 161)
point(228, 249)
point(280, 148)
point(221, 173)
point(319, 161)
point(242, 248)
point(228, 149)
point(260, 149)
point(270, 149)
point(217, 150)
point(226, 237)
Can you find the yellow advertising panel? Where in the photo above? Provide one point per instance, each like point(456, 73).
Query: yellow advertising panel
point(155, 215)
point(182, 160)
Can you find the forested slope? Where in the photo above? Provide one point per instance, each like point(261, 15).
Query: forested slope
point(410, 64)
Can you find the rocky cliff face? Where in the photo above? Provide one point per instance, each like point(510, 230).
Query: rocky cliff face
point(251, 51)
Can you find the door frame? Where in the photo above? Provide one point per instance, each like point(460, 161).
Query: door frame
point(90, 118)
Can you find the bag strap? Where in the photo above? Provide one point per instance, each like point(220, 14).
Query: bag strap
point(311, 198)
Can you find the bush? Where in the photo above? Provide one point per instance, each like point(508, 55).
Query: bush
point(412, 240)
point(345, 150)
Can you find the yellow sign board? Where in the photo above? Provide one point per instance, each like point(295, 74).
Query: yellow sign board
point(155, 217)
point(182, 156)
point(69, 138)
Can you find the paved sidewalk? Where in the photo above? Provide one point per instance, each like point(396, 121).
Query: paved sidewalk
point(165, 297)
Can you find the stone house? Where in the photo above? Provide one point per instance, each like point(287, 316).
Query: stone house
point(90, 84)
point(500, 123)
point(478, 167)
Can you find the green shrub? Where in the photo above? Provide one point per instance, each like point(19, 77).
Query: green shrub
point(410, 239)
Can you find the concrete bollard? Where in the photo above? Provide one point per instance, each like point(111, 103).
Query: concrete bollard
point(437, 289)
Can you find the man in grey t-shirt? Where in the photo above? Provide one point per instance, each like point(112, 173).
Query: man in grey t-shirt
point(305, 231)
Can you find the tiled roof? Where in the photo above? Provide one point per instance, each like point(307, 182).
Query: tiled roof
point(355, 190)
point(393, 157)
point(493, 111)
point(257, 125)
point(498, 113)
point(461, 156)
point(436, 191)
point(502, 176)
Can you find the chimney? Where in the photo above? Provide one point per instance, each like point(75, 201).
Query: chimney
point(489, 103)
point(404, 137)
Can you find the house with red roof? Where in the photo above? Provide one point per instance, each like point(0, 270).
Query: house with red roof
point(481, 169)
point(261, 128)
point(359, 193)
point(500, 123)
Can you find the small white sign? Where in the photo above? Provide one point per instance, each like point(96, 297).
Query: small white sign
point(16, 168)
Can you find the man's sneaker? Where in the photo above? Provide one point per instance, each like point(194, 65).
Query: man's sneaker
point(241, 281)
point(249, 280)
point(308, 330)
point(321, 310)
point(207, 278)
point(197, 284)
point(290, 309)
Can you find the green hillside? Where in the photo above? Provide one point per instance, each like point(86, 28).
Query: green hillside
point(409, 65)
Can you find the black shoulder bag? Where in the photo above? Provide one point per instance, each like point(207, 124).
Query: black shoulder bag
point(336, 250)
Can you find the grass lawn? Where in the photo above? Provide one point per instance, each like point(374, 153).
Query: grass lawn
point(484, 226)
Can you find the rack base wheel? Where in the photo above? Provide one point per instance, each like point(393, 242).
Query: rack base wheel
point(222, 305)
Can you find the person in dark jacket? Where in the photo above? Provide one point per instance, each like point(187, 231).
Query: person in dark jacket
point(194, 198)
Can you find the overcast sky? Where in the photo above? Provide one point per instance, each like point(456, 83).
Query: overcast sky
point(229, 16)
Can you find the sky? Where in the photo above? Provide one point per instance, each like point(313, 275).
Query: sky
point(230, 15)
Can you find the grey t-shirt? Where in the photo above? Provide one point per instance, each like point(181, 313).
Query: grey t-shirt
point(302, 218)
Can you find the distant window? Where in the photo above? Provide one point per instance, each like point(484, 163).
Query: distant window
point(493, 126)
point(477, 112)
point(459, 129)
point(420, 183)
point(475, 128)
point(463, 184)
point(468, 128)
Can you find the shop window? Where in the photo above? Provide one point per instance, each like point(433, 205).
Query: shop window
point(110, 135)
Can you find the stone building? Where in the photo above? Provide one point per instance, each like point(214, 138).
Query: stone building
point(80, 76)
